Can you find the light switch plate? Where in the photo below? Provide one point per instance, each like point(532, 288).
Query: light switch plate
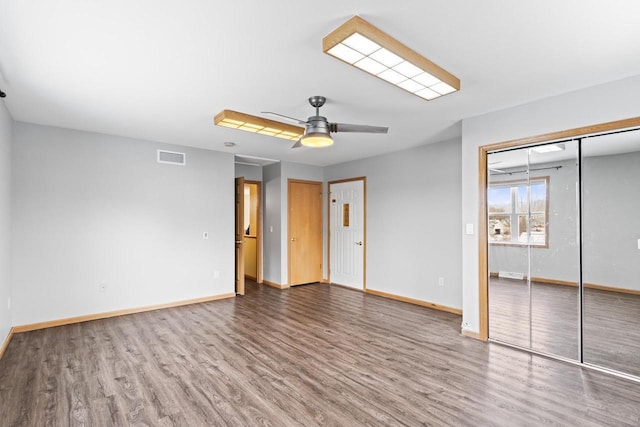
point(469, 229)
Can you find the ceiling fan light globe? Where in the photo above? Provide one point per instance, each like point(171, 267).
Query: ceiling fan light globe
point(317, 140)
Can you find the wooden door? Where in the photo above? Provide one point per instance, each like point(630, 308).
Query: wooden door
point(305, 232)
point(347, 233)
point(240, 236)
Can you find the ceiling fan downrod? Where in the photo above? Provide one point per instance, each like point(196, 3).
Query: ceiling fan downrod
point(317, 102)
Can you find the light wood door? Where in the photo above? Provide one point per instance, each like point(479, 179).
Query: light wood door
point(240, 236)
point(305, 232)
point(347, 233)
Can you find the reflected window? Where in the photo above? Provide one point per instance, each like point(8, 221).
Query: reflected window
point(518, 212)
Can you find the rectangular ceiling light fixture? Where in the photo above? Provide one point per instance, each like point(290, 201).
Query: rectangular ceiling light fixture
point(249, 123)
point(362, 45)
point(549, 148)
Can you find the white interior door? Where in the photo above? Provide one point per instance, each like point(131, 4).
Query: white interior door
point(347, 242)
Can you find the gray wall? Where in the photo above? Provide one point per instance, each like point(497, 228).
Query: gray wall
point(249, 172)
point(611, 220)
point(413, 221)
point(598, 104)
point(272, 195)
point(6, 137)
point(92, 208)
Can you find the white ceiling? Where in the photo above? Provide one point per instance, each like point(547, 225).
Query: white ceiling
point(160, 70)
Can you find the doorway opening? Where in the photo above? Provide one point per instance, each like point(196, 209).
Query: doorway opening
point(252, 231)
point(248, 233)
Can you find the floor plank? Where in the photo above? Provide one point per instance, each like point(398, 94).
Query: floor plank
point(309, 355)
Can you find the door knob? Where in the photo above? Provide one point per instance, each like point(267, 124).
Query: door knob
point(293, 239)
point(359, 243)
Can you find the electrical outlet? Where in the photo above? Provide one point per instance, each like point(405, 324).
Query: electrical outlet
point(102, 287)
point(440, 281)
point(216, 274)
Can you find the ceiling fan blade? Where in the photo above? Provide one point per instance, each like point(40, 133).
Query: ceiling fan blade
point(346, 127)
point(298, 144)
point(290, 119)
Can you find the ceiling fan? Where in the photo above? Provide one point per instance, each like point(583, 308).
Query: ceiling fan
point(318, 128)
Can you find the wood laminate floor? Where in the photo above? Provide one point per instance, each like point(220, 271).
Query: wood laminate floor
point(611, 322)
point(310, 355)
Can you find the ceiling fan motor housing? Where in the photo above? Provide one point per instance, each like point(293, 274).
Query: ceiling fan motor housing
point(318, 124)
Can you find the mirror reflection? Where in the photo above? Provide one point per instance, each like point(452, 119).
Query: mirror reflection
point(534, 265)
point(550, 207)
point(611, 251)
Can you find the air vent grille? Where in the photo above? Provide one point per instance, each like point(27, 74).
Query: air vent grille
point(171, 157)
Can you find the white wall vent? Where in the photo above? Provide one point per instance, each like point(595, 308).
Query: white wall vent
point(511, 275)
point(171, 157)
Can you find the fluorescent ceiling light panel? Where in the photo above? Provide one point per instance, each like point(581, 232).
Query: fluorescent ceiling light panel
point(386, 58)
point(346, 54)
point(370, 66)
point(427, 94)
point(411, 86)
point(392, 76)
point(407, 69)
point(550, 148)
point(442, 88)
point(426, 79)
point(359, 43)
point(249, 123)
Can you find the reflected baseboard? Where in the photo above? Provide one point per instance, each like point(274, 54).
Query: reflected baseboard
point(575, 284)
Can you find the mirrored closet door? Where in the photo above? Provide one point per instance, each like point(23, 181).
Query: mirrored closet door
point(611, 250)
point(533, 251)
point(563, 249)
